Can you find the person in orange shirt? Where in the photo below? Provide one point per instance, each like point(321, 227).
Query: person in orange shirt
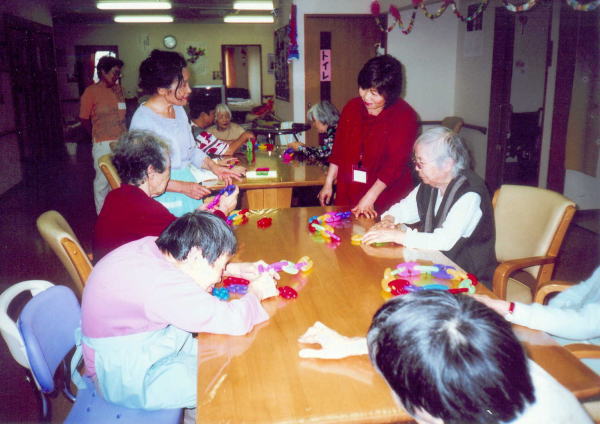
point(102, 114)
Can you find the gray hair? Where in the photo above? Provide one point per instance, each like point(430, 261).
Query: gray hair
point(135, 152)
point(222, 109)
point(324, 112)
point(446, 143)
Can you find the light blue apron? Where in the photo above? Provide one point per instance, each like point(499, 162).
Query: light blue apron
point(151, 370)
point(177, 203)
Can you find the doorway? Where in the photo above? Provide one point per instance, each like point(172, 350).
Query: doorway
point(521, 59)
point(242, 68)
point(353, 40)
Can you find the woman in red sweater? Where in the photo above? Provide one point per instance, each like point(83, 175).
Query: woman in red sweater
point(130, 212)
point(375, 136)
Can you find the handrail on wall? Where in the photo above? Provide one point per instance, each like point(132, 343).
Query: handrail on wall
point(483, 130)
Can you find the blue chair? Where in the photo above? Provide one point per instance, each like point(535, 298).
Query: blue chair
point(47, 324)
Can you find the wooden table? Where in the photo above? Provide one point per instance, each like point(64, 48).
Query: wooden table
point(259, 378)
point(264, 193)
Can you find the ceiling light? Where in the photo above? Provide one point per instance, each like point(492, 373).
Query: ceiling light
point(147, 5)
point(253, 5)
point(249, 19)
point(143, 18)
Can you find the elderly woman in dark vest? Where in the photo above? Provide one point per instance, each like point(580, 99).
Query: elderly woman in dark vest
point(451, 208)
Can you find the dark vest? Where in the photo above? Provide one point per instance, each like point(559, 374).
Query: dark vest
point(475, 254)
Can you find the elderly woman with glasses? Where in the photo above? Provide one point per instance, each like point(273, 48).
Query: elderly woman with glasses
point(451, 209)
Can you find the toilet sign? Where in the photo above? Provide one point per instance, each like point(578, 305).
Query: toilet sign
point(325, 61)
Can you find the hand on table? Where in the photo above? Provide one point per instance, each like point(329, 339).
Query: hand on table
point(193, 190)
point(383, 235)
point(500, 306)
point(365, 207)
point(333, 344)
point(386, 222)
point(264, 286)
point(249, 270)
point(225, 174)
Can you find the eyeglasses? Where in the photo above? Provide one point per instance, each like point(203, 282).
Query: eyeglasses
point(419, 163)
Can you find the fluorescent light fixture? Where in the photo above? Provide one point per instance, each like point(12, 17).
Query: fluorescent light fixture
point(253, 5)
point(249, 19)
point(130, 5)
point(143, 18)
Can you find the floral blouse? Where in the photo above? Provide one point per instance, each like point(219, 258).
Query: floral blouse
point(322, 152)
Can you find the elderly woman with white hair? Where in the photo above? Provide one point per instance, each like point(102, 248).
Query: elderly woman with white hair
point(226, 130)
point(324, 117)
point(451, 209)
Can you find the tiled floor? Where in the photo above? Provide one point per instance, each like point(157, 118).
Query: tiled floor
point(66, 185)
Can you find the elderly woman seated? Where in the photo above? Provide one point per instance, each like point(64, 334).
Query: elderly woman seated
point(451, 207)
point(324, 117)
point(225, 137)
point(143, 301)
point(130, 212)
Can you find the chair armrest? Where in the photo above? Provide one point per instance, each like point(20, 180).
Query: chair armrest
point(505, 269)
point(553, 286)
point(584, 350)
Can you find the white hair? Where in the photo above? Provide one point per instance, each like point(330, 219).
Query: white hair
point(445, 143)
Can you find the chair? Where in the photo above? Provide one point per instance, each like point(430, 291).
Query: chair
point(62, 240)
point(47, 346)
point(8, 327)
point(109, 171)
point(531, 224)
point(454, 123)
point(580, 350)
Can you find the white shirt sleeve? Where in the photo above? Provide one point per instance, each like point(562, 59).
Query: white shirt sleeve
point(573, 324)
point(461, 221)
point(405, 211)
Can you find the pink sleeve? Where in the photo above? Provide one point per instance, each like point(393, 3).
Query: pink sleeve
point(186, 306)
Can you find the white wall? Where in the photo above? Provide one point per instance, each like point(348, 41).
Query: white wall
point(472, 83)
point(428, 54)
point(529, 59)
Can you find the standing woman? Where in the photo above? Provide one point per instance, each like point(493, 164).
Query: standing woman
point(374, 139)
point(102, 114)
point(164, 76)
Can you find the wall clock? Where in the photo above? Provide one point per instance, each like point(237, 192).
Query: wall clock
point(170, 41)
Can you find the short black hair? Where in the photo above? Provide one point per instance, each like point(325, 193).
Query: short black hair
point(199, 229)
point(200, 103)
point(383, 73)
point(135, 151)
point(106, 63)
point(160, 69)
point(450, 356)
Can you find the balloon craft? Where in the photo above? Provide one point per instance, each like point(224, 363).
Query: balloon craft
point(409, 277)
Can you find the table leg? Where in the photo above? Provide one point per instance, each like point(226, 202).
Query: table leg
point(268, 198)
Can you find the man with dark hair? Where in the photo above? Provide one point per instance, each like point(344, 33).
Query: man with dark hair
point(143, 300)
point(202, 115)
point(452, 360)
point(102, 114)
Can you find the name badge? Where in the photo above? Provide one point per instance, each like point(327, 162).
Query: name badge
point(121, 106)
point(359, 176)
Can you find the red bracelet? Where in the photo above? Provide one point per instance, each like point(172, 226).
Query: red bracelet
point(511, 307)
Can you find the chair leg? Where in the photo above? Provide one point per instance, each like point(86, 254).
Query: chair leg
point(46, 409)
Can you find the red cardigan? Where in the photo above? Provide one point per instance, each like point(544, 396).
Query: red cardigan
point(386, 141)
point(129, 214)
